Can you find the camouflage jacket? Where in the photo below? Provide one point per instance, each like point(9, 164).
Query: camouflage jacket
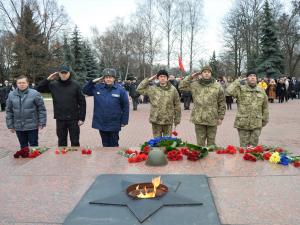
point(209, 101)
point(252, 106)
point(165, 103)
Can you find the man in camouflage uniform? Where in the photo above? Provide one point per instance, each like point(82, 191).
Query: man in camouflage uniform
point(209, 104)
point(165, 103)
point(253, 113)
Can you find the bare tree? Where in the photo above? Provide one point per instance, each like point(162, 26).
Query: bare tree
point(194, 11)
point(167, 10)
point(289, 27)
point(147, 19)
point(233, 40)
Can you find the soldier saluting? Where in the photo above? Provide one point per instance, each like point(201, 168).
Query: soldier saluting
point(165, 103)
point(209, 104)
point(252, 112)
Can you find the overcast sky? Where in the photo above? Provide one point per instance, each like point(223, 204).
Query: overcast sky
point(101, 13)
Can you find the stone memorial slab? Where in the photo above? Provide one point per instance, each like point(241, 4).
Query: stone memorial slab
point(188, 201)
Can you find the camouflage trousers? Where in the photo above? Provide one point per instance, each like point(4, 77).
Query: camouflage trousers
point(205, 133)
point(249, 137)
point(161, 130)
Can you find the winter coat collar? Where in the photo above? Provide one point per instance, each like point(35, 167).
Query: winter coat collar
point(16, 92)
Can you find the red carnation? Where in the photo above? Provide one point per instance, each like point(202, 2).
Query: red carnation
point(83, 151)
point(64, 151)
point(296, 163)
point(146, 149)
point(267, 155)
point(88, 151)
point(129, 152)
point(230, 149)
point(279, 150)
point(184, 150)
point(241, 150)
point(57, 151)
point(258, 149)
point(193, 155)
point(249, 157)
point(221, 151)
point(174, 133)
point(174, 155)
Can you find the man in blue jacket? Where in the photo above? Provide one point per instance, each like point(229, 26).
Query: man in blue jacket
point(111, 107)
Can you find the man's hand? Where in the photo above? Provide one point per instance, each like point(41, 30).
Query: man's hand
point(195, 75)
point(52, 76)
point(12, 130)
point(100, 79)
point(80, 122)
point(152, 78)
point(219, 122)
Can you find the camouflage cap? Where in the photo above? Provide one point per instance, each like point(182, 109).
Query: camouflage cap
point(109, 72)
point(207, 67)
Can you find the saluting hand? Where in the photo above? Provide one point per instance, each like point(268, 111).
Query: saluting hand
point(152, 78)
point(98, 80)
point(195, 75)
point(52, 76)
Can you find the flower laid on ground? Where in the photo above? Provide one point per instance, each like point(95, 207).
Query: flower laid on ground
point(175, 155)
point(275, 155)
point(249, 157)
point(138, 158)
point(275, 158)
point(174, 133)
point(229, 150)
point(65, 150)
point(30, 152)
point(174, 149)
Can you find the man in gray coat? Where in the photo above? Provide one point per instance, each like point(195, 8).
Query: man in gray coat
point(25, 115)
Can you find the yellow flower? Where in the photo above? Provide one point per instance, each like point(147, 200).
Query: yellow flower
point(275, 158)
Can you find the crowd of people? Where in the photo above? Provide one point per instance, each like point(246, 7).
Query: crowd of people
point(26, 112)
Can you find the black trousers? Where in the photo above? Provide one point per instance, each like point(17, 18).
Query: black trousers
point(187, 101)
point(63, 127)
point(28, 138)
point(109, 138)
point(135, 102)
point(3, 105)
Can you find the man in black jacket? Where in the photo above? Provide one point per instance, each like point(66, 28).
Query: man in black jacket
point(133, 93)
point(69, 105)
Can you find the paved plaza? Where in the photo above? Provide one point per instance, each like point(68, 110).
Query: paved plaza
point(44, 190)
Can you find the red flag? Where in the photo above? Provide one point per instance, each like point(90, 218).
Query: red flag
point(180, 64)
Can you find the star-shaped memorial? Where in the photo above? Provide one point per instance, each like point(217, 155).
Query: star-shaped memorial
point(144, 208)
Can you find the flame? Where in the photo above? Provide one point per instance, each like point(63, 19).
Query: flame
point(156, 182)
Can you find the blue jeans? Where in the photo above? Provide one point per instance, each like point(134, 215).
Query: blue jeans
point(28, 136)
point(109, 138)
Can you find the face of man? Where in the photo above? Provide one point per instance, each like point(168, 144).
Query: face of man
point(163, 79)
point(109, 80)
point(6, 83)
point(206, 74)
point(64, 75)
point(252, 80)
point(22, 84)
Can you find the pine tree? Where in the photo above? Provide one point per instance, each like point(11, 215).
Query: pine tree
point(30, 53)
point(271, 58)
point(213, 62)
point(67, 53)
point(90, 63)
point(78, 54)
